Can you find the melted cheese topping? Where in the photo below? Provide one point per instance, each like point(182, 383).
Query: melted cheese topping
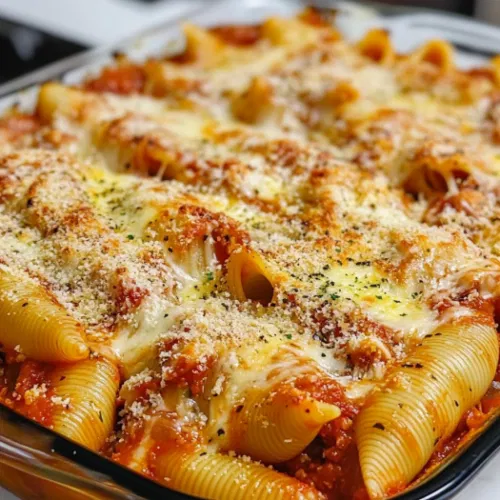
point(370, 201)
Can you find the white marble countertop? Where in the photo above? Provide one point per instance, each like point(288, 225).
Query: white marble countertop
point(88, 21)
point(485, 485)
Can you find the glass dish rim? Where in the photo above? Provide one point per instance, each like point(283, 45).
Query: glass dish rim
point(450, 477)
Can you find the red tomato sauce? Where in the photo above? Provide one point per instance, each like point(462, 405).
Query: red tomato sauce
point(167, 434)
point(242, 35)
point(32, 393)
point(14, 127)
point(124, 449)
point(124, 80)
point(186, 370)
point(330, 463)
point(20, 124)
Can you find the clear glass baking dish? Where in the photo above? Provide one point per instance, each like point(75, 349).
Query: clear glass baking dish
point(37, 463)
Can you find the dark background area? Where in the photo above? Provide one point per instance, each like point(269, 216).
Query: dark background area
point(24, 49)
point(461, 6)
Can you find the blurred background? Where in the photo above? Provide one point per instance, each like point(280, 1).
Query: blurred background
point(36, 32)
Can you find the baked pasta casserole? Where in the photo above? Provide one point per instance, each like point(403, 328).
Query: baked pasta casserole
point(267, 267)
